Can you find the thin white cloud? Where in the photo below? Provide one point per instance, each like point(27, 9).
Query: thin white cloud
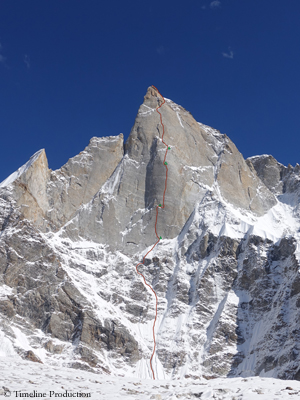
point(215, 4)
point(160, 50)
point(27, 61)
point(228, 55)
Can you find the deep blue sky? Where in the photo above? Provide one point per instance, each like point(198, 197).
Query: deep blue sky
point(73, 69)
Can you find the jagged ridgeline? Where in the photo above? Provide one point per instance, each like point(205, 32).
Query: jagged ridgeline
point(226, 271)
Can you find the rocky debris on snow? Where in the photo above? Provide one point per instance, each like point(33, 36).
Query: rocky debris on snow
point(28, 378)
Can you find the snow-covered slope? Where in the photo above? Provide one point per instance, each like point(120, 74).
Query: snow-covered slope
point(26, 378)
point(226, 272)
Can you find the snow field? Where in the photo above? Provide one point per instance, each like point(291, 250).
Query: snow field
point(27, 377)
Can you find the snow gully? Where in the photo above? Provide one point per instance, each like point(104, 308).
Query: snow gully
point(160, 206)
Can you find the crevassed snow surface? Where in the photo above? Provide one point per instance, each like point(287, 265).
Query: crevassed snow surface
point(15, 175)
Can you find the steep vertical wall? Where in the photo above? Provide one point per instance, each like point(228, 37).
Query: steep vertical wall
point(200, 160)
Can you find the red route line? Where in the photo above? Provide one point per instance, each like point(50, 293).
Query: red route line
point(157, 207)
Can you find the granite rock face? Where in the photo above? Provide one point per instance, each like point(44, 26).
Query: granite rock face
point(200, 159)
point(81, 177)
point(50, 199)
point(281, 180)
point(225, 272)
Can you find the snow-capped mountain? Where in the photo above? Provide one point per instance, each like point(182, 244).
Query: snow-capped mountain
point(226, 271)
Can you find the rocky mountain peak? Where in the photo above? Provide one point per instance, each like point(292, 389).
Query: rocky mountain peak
point(201, 162)
point(49, 199)
point(152, 97)
point(38, 161)
point(225, 271)
point(28, 184)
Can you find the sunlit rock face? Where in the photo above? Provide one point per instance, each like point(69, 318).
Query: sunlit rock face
point(225, 272)
point(50, 199)
point(200, 160)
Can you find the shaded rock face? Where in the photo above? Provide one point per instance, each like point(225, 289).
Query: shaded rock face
point(269, 171)
point(282, 181)
point(42, 295)
point(271, 281)
point(278, 178)
point(225, 272)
